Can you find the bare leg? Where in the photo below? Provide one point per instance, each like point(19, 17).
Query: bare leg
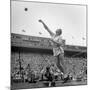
point(60, 63)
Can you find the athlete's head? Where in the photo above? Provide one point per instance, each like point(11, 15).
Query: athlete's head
point(58, 32)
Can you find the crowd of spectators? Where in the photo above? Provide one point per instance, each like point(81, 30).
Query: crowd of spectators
point(33, 65)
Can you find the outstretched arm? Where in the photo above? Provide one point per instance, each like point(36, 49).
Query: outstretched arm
point(57, 43)
point(46, 27)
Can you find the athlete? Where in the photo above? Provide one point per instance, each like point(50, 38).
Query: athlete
point(58, 50)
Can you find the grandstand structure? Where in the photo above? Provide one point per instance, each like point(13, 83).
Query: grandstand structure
point(37, 51)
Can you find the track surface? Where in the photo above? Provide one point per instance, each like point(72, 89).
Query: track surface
point(42, 84)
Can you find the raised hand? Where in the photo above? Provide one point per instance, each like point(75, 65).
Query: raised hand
point(40, 20)
point(46, 27)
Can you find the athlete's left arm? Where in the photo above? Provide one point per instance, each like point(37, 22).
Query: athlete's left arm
point(59, 43)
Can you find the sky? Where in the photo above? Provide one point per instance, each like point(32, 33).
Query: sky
point(70, 18)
